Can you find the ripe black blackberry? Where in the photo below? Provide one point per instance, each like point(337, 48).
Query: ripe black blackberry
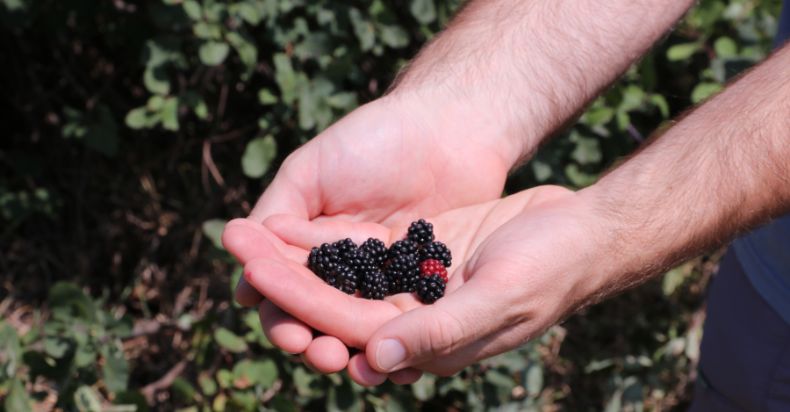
point(374, 284)
point(438, 251)
point(402, 247)
point(430, 288)
point(377, 250)
point(345, 247)
point(421, 232)
point(323, 259)
point(344, 278)
point(403, 272)
point(359, 260)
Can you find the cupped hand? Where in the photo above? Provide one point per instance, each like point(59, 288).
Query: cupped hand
point(388, 162)
point(516, 271)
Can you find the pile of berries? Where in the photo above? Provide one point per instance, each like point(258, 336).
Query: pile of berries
point(415, 264)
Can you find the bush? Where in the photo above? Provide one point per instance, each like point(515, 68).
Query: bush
point(135, 129)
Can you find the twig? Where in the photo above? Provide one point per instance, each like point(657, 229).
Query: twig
point(164, 382)
point(209, 162)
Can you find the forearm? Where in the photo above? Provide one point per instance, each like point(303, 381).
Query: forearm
point(722, 169)
point(520, 69)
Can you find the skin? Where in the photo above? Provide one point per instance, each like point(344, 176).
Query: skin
point(510, 280)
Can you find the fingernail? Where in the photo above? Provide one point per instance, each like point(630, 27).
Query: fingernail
point(390, 353)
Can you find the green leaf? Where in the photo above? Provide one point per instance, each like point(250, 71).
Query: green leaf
point(534, 381)
point(183, 390)
point(56, 346)
point(660, 102)
point(17, 399)
point(704, 90)
point(423, 10)
point(682, 51)
point(155, 80)
point(67, 296)
point(213, 229)
point(10, 351)
point(394, 36)
point(344, 100)
point(115, 368)
point(213, 53)
point(169, 114)
point(599, 115)
point(266, 97)
point(137, 118)
point(230, 341)
point(577, 177)
point(248, 12)
point(245, 49)
point(363, 29)
point(87, 399)
point(207, 31)
point(587, 151)
point(725, 47)
point(425, 388)
point(258, 156)
point(260, 373)
point(192, 9)
point(207, 385)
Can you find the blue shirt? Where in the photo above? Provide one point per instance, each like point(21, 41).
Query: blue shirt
point(765, 253)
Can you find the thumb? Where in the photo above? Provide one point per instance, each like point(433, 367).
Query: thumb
point(423, 334)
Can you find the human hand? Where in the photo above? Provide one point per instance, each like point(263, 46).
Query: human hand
point(512, 277)
point(388, 162)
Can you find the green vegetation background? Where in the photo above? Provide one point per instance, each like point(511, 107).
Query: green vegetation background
point(134, 129)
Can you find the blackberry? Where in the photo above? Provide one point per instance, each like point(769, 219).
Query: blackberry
point(359, 260)
point(402, 247)
point(433, 267)
point(438, 251)
point(430, 289)
point(374, 284)
point(344, 278)
point(345, 247)
point(421, 232)
point(323, 259)
point(377, 250)
point(403, 272)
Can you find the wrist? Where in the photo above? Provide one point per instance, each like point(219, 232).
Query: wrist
point(456, 117)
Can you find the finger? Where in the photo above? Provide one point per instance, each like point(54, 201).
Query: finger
point(284, 331)
point(468, 314)
point(300, 293)
point(327, 354)
point(405, 376)
point(294, 189)
point(246, 295)
point(361, 373)
point(247, 240)
point(494, 344)
point(305, 234)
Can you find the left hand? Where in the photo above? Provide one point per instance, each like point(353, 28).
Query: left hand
point(519, 266)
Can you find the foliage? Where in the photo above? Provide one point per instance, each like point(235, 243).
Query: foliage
point(135, 129)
